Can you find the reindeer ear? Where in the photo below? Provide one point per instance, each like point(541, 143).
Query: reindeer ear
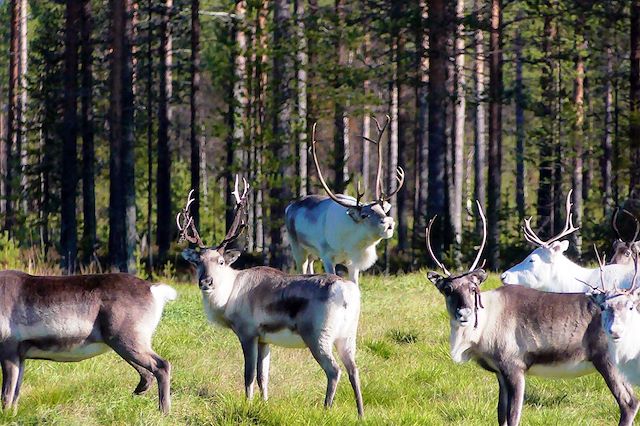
point(559, 246)
point(191, 256)
point(230, 256)
point(386, 207)
point(478, 276)
point(434, 277)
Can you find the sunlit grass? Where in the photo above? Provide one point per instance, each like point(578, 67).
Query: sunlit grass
point(406, 372)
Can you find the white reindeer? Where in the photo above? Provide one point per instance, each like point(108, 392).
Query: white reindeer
point(339, 229)
point(514, 331)
point(265, 306)
point(548, 269)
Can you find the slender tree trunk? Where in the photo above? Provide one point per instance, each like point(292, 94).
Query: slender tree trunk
point(616, 144)
point(437, 119)
point(68, 222)
point(606, 167)
point(87, 127)
point(301, 77)
point(494, 204)
point(149, 241)
point(578, 131)
point(21, 134)
point(545, 188)
point(164, 209)
point(558, 169)
point(237, 106)
point(421, 137)
point(193, 105)
point(341, 143)
point(3, 152)
point(13, 126)
point(281, 191)
point(520, 131)
point(634, 99)
point(480, 128)
point(312, 90)
point(366, 119)
point(122, 212)
point(459, 113)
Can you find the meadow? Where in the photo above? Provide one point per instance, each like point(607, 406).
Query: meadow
point(407, 375)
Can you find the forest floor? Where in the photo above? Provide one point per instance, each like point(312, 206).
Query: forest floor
point(403, 355)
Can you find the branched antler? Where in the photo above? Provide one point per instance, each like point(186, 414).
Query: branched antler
point(239, 222)
point(569, 228)
point(381, 196)
point(614, 225)
point(187, 228)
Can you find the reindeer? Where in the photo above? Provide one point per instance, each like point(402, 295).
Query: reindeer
point(339, 229)
point(624, 251)
point(73, 318)
point(513, 331)
point(265, 306)
point(548, 269)
point(620, 321)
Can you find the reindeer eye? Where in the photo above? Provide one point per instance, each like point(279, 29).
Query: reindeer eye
point(447, 290)
point(221, 261)
point(531, 260)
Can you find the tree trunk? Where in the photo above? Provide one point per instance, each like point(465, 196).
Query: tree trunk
point(340, 135)
point(479, 130)
point(437, 119)
point(312, 58)
point(21, 110)
point(459, 112)
point(634, 99)
point(68, 223)
point(237, 106)
point(520, 131)
point(421, 140)
point(578, 131)
point(366, 119)
point(281, 190)
point(301, 96)
point(87, 128)
point(13, 122)
point(149, 241)
point(122, 213)
point(164, 211)
point(545, 189)
point(494, 204)
point(193, 105)
point(606, 168)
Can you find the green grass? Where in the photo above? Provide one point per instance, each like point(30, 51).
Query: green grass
point(403, 355)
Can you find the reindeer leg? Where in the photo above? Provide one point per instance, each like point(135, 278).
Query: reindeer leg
point(146, 379)
point(10, 378)
point(329, 267)
point(137, 353)
point(621, 390)
point(16, 394)
point(264, 357)
point(322, 353)
point(503, 400)
point(347, 351)
point(515, 391)
point(250, 351)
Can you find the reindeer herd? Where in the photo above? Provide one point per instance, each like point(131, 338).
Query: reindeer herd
point(552, 317)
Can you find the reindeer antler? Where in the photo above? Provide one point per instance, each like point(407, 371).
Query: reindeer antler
point(380, 194)
point(569, 228)
point(188, 224)
point(484, 237)
point(614, 225)
point(330, 193)
point(239, 222)
point(433, 256)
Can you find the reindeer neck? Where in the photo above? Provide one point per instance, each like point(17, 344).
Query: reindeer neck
point(568, 276)
point(223, 284)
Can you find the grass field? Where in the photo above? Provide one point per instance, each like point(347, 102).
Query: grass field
point(403, 356)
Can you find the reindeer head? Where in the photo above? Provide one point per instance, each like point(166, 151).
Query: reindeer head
point(373, 214)
point(620, 307)
point(536, 270)
point(624, 250)
point(461, 292)
point(213, 262)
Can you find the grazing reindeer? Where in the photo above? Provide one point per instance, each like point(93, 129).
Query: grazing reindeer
point(338, 229)
point(624, 251)
point(513, 331)
point(72, 318)
point(547, 268)
point(265, 306)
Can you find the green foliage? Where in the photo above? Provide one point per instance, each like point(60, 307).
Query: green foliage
point(10, 254)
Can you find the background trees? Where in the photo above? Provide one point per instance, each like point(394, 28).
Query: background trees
point(131, 105)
